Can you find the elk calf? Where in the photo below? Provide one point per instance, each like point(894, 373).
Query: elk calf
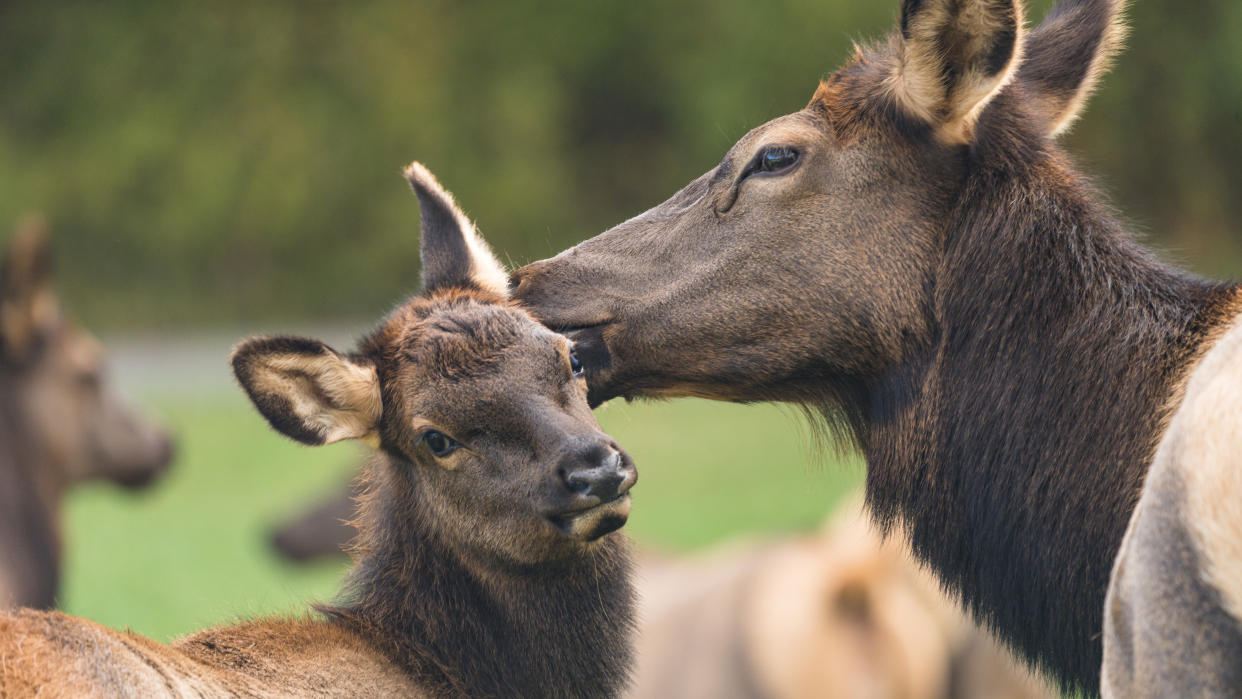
point(60, 422)
point(487, 561)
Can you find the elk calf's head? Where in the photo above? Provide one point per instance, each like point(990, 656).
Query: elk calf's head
point(482, 410)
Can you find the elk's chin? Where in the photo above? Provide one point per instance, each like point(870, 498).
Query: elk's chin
point(593, 523)
point(137, 480)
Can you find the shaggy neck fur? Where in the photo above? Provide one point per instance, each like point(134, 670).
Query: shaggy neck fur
point(1015, 442)
point(468, 629)
point(29, 539)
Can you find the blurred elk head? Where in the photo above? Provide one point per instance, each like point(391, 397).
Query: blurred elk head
point(55, 371)
point(61, 423)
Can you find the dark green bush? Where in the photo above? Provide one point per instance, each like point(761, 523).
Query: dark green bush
point(237, 162)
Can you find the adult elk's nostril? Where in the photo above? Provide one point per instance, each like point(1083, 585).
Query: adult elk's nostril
point(515, 281)
point(518, 276)
point(604, 477)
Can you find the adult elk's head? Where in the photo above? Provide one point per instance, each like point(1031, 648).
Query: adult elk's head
point(808, 256)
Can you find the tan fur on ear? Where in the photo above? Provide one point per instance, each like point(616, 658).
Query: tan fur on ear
point(486, 270)
point(946, 70)
point(1066, 57)
point(332, 396)
point(1111, 45)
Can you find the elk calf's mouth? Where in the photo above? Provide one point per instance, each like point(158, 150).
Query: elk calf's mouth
point(594, 522)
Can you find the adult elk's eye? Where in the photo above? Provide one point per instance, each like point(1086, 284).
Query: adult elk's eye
point(776, 159)
point(574, 363)
point(440, 444)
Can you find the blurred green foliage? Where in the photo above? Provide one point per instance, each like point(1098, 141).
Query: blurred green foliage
point(236, 162)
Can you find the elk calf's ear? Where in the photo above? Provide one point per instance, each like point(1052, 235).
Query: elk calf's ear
point(28, 305)
point(308, 391)
point(453, 253)
point(953, 57)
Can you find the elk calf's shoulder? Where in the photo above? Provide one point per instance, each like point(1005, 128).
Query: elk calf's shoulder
point(488, 562)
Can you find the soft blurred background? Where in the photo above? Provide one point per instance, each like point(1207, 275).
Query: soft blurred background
point(214, 169)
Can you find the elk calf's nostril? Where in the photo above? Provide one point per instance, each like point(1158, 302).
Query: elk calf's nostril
point(602, 482)
point(579, 482)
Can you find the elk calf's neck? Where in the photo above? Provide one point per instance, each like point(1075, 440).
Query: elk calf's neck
point(488, 561)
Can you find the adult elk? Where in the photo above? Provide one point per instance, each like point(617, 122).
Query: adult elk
point(488, 561)
point(60, 423)
point(913, 256)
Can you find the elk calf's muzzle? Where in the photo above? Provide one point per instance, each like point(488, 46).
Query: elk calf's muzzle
point(604, 474)
point(597, 479)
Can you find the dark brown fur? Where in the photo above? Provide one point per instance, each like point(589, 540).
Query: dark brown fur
point(968, 313)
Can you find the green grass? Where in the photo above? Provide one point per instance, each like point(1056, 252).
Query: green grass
point(192, 551)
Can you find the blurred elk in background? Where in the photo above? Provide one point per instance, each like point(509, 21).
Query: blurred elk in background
point(321, 529)
point(835, 614)
point(60, 422)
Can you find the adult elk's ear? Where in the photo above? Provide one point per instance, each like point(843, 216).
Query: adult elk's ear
point(1066, 55)
point(308, 391)
point(953, 57)
point(28, 305)
point(454, 255)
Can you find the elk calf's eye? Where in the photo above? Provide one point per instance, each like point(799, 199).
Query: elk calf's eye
point(439, 444)
point(777, 159)
point(575, 363)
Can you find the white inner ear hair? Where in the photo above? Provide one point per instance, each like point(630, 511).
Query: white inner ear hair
point(332, 396)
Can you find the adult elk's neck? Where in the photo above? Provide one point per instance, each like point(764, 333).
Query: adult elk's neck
point(561, 630)
point(1015, 444)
